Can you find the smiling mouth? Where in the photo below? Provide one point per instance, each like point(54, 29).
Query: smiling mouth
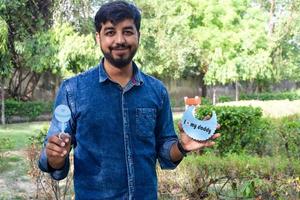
point(120, 51)
point(120, 48)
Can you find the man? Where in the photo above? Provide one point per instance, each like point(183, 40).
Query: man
point(121, 119)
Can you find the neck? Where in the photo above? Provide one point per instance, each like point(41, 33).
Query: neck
point(119, 75)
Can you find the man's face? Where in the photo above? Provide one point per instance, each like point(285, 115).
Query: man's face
point(118, 42)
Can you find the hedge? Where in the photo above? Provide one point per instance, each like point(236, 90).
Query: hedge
point(30, 109)
point(271, 96)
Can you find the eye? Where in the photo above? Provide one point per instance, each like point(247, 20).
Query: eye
point(128, 33)
point(109, 33)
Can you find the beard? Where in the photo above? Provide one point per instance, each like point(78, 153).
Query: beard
point(123, 60)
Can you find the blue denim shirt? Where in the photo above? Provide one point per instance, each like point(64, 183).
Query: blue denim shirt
point(117, 133)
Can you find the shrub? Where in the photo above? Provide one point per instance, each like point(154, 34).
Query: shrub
point(224, 98)
point(288, 129)
point(271, 96)
point(231, 177)
point(205, 101)
point(5, 145)
point(26, 109)
point(47, 188)
point(241, 128)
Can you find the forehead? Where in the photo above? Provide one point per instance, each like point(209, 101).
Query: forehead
point(126, 23)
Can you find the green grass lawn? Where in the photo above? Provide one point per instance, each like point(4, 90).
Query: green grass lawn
point(19, 133)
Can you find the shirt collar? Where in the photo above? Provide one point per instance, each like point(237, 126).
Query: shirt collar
point(137, 78)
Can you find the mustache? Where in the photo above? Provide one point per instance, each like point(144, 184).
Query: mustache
point(120, 46)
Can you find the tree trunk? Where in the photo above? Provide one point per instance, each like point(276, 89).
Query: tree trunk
point(203, 85)
point(2, 102)
point(237, 94)
point(22, 84)
point(30, 87)
point(272, 16)
point(214, 95)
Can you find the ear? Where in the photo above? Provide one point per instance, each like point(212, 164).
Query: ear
point(139, 36)
point(98, 38)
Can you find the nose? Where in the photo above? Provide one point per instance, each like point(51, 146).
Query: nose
point(120, 39)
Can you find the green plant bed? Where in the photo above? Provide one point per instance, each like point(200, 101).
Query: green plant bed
point(233, 176)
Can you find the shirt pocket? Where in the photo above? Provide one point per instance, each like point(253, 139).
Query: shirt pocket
point(145, 121)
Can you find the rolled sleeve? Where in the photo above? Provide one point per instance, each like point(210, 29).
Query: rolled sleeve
point(57, 174)
point(166, 134)
point(63, 97)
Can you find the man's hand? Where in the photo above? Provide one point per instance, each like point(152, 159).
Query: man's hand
point(57, 149)
point(190, 144)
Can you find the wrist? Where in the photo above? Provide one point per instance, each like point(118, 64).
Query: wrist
point(181, 149)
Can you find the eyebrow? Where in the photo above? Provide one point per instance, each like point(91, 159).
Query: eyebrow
point(128, 27)
point(112, 28)
point(108, 28)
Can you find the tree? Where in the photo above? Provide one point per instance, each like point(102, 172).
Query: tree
point(4, 64)
point(25, 19)
point(77, 52)
point(40, 41)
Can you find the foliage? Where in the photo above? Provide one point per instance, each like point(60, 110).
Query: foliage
point(26, 109)
point(5, 144)
point(4, 61)
point(19, 133)
point(26, 20)
point(205, 101)
point(223, 98)
point(240, 128)
point(265, 96)
point(36, 45)
point(47, 188)
point(288, 130)
point(39, 138)
point(77, 52)
point(231, 177)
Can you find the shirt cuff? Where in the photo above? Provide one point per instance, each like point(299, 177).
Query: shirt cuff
point(57, 174)
point(165, 160)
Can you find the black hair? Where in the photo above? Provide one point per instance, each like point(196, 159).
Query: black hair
point(116, 12)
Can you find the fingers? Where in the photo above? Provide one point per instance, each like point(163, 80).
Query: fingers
point(216, 136)
point(208, 144)
point(180, 126)
point(55, 151)
point(64, 137)
point(56, 140)
point(58, 145)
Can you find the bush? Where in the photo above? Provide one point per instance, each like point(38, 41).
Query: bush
point(242, 129)
point(288, 130)
point(231, 177)
point(26, 109)
point(223, 98)
point(205, 101)
point(47, 188)
point(6, 144)
point(38, 140)
point(271, 96)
